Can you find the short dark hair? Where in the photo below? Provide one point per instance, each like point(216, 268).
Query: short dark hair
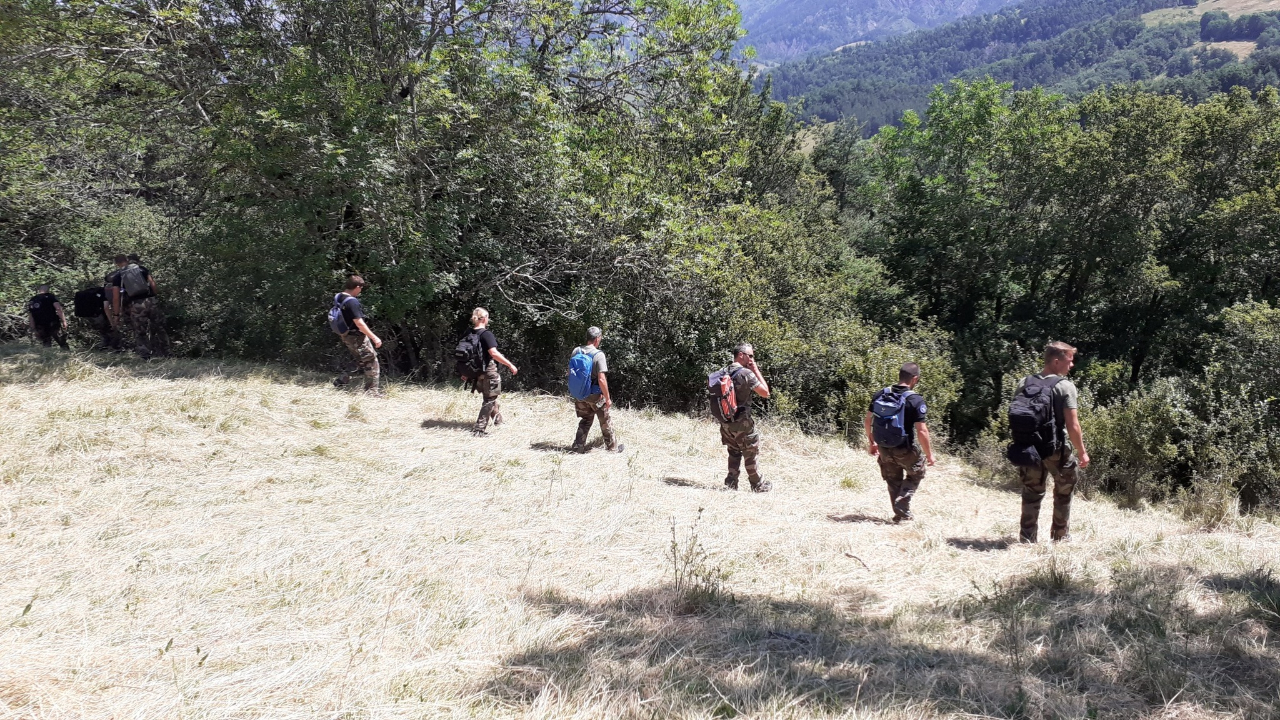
point(908, 371)
point(42, 288)
point(743, 348)
point(121, 259)
point(354, 282)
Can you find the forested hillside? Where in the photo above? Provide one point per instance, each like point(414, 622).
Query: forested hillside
point(1071, 46)
point(784, 29)
point(610, 164)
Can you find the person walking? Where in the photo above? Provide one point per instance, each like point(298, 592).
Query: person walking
point(589, 386)
point(489, 383)
point(47, 319)
point(135, 298)
point(898, 438)
point(737, 384)
point(1045, 423)
point(347, 319)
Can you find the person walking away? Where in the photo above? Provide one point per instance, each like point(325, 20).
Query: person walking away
point(91, 306)
point(488, 382)
point(731, 391)
point(47, 319)
point(589, 387)
point(135, 298)
point(898, 437)
point(347, 319)
point(1045, 423)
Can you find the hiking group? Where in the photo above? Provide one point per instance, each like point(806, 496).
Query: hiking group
point(124, 309)
point(1043, 416)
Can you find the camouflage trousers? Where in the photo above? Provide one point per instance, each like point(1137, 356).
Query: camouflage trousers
point(366, 356)
point(587, 411)
point(48, 334)
point(743, 441)
point(902, 469)
point(110, 339)
point(490, 386)
point(147, 321)
point(1062, 466)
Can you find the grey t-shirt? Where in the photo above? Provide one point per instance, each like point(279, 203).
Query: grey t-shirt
point(1065, 397)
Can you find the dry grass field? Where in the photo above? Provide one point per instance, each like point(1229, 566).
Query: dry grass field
point(1234, 8)
point(186, 539)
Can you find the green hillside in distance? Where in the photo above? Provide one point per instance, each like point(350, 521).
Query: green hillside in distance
point(782, 30)
point(1068, 46)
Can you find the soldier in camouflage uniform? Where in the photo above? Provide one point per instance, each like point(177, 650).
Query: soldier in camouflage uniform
point(490, 382)
point(597, 405)
point(1059, 358)
point(741, 437)
point(359, 339)
point(903, 467)
point(141, 307)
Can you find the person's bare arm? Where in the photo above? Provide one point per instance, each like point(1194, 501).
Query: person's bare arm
point(922, 432)
point(502, 359)
point(115, 302)
point(604, 390)
point(1072, 419)
point(872, 448)
point(62, 316)
point(152, 282)
point(762, 388)
point(363, 328)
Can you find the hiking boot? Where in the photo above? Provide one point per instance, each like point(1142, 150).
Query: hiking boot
point(580, 449)
point(616, 448)
point(1064, 539)
point(497, 419)
point(763, 486)
point(373, 392)
point(731, 483)
point(900, 518)
point(342, 381)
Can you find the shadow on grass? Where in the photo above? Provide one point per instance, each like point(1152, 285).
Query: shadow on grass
point(980, 544)
point(436, 424)
point(567, 448)
point(1051, 643)
point(27, 364)
point(686, 483)
point(859, 518)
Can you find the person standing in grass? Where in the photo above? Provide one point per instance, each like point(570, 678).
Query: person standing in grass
point(739, 433)
point(898, 437)
point(489, 383)
point(587, 377)
point(47, 319)
point(1045, 423)
point(348, 320)
point(135, 297)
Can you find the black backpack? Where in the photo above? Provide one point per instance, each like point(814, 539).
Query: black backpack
point(88, 302)
point(1032, 422)
point(469, 356)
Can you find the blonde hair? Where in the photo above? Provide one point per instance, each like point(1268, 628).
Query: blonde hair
point(478, 316)
point(1058, 349)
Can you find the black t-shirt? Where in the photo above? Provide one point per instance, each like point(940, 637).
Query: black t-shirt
point(351, 311)
point(487, 342)
point(42, 308)
point(124, 296)
point(916, 410)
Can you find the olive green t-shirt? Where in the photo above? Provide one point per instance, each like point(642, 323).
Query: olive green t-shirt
point(1065, 397)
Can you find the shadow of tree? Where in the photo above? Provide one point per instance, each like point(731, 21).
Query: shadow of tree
point(1048, 644)
point(981, 544)
point(27, 364)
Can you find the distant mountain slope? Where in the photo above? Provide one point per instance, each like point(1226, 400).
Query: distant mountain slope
point(785, 29)
point(1071, 46)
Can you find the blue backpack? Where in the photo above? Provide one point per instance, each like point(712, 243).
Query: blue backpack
point(337, 322)
point(889, 418)
point(581, 380)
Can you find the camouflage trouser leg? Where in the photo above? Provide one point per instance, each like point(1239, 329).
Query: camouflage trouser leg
point(1062, 466)
point(902, 469)
point(490, 386)
point(149, 336)
point(587, 411)
point(744, 446)
point(361, 348)
point(110, 339)
point(48, 334)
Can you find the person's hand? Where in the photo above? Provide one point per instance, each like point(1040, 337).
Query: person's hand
point(873, 449)
point(608, 403)
point(1084, 460)
point(377, 341)
point(514, 370)
point(929, 460)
